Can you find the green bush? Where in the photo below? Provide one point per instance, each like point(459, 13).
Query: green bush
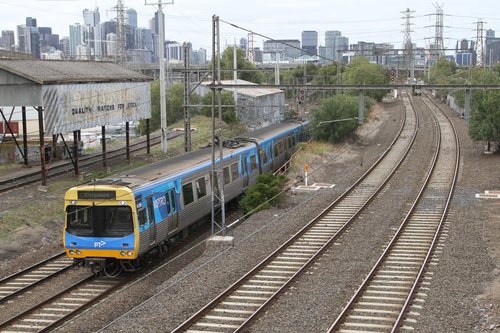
point(263, 194)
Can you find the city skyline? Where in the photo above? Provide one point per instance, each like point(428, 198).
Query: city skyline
point(187, 20)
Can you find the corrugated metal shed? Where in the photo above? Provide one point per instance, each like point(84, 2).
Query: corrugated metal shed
point(62, 72)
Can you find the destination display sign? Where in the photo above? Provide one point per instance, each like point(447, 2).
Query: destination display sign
point(96, 195)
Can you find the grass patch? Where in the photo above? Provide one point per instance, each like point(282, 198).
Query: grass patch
point(308, 154)
point(33, 213)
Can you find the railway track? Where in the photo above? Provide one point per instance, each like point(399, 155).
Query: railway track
point(390, 297)
point(67, 167)
point(70, 302)
point(238, 305)
point(51, 312)
point(20, 282)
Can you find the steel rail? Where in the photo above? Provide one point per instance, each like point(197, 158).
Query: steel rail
point(361, 323)
point(420, 274)
point(33, 177)
point(31, 276)
point(52, 311)
point(292, 265)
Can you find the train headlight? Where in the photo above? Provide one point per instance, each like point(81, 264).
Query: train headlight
point(123, 203)
point(78, 252)
point(130, 253)
point(123, 253)
point(73, 202)
point(71, 252)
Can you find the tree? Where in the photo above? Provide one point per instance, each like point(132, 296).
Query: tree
point(485, 113)
point(338, 107)
point(361, 71)
point(175, 105)
point(264, 194)
point(327, 74)
point(228, 113)
point(246, 70)
point(443, 71)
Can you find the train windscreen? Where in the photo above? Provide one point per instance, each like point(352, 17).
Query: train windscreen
point(99, 221)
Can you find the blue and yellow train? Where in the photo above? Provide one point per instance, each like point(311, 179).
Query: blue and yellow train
point(117, 223)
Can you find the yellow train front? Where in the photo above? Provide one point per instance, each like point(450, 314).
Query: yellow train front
point(100, 227)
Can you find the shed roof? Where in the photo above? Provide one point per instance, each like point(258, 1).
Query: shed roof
point(64, 71)
point(258, 91)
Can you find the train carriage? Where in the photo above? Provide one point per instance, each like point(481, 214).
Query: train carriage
point(120, 222)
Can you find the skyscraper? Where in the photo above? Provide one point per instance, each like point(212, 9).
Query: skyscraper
point(75, 38)
point(310, 42)
point(91, 17)
point(330, 37)
point(7, 41)
point(341, 45)
point(132, 18)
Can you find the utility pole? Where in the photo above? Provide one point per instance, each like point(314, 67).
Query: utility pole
point(217, 175)
point(187, 114)
point(163, 95)
point(277, 71)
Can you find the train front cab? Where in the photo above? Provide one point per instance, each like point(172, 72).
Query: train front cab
point(100, 225)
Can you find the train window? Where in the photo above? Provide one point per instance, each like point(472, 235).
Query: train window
point(201, 187)
point(151, 210)
point(118, 221)
point(79, 220)
point(227, 179)
point(99, 221)
point(281, 144)
point(234, 171)
point(263, 156)
point(187, 193)
point(290, 142)
point(141, 214)
point(253, 162)
point(276, 150)
point(170, 196)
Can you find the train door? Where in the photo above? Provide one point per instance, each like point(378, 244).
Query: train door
point(244, 171)
point(152, 220)
point(171, 211)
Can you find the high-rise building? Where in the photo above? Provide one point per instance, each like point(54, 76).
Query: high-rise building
point(288, 48)
point(28, 39)
point(65, 46)
point(75, 38)
point(31, 22)
point(132, 17)
point(7, 41)
point(492, 52)
point(174, 51)
point(330, 37)
point(91, 17)
point(200, 56)
point(341, 46)
point(310, 42)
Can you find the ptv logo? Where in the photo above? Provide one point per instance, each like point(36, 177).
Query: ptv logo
point(99, 244)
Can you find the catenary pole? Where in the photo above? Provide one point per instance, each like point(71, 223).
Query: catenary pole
point(163, 94)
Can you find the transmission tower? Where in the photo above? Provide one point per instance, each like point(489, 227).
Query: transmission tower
point(438, 38)
point(120, 29)
point(251, 50)
point(407, 44)
point(479, 43)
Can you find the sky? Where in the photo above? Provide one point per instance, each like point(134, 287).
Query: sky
point(191, 20)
